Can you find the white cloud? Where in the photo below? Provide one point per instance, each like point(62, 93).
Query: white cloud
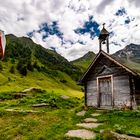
point(37, 38)
point(20, 17)
point(103, 5)
point(135, 2)
point(53, 41)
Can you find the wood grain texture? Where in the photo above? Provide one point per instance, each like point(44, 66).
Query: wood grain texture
point(125, 87)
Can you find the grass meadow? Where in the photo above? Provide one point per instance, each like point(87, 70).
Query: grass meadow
point(25, 122)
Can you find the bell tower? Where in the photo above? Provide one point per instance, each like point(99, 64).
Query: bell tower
point(104, 38)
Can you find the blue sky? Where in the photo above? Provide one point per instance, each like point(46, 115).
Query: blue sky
point(72, 27)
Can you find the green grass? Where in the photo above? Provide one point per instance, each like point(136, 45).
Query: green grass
point(84, 62)
point(123, 122)
point(53, 121)
point(47, 126)
point(17, 83)
point(50, 122)
point(134, 66)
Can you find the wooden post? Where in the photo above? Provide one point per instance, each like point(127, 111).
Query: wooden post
point(85, 86)
point(98, 92)
point(100, 45)
point(107, 44)
point(132, 90)
point(112, 82)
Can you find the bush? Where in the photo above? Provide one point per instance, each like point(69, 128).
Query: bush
point(57, 101)
point(54, 100)
point(107, 135)
point(12, 60)
point(30, 66)
point(5, 96)
point(23, 70)
point(35, 65)
point(12, 69)
point(63, 81)
point(22, 66)
point(19, 64)
point(1, 67)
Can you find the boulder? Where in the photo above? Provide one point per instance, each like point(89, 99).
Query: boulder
point(33, 89)
point(81, 133)
point(81, 113)
point(19, 95)
point(88, 120)
point(88, 125)
point(40, 105)
point(64, 97)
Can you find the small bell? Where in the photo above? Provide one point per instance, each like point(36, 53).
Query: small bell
point(103, 42)
point(104, 38)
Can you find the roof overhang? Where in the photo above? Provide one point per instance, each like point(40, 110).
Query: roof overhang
point(111, 59)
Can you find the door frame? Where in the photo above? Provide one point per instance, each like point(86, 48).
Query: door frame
point(112, 89)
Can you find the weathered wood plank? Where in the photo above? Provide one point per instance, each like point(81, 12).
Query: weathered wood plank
point(121, 91)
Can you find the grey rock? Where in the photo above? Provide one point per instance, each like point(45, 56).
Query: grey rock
point(88, 120)
point(88, 125)
point(81, 133)
point(33, 89)
point(95, 114)
point(64, 97)
point(40, 105)
point(81, 113)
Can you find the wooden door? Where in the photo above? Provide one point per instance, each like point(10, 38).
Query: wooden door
point(105, 92)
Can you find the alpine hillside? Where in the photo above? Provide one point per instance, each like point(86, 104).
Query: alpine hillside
point(27, 64)
point(84, 61)
point(129, 56)
point(130, 52)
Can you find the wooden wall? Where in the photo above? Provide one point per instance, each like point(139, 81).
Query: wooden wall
point(92, 94)
point(137, 91)
point(121, 85)
point(121, 91)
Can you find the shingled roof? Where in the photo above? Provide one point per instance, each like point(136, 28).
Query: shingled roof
point(127, 68)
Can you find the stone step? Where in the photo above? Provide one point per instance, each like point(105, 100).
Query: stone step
point(88, 125)
point(89, 120)
point(81, 113)
point(95, 114)
point(81, 133)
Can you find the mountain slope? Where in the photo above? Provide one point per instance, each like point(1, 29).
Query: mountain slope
point(129, 56)
point(131, 51)
point(25, 48)
point(27, 64)
point(84, 61)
